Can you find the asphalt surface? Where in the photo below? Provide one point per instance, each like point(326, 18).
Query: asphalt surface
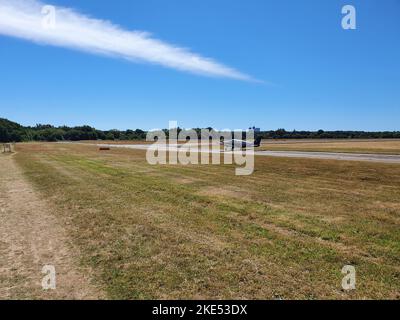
point(333, 156)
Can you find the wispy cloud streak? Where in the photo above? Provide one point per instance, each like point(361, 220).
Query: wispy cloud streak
point(23, 19)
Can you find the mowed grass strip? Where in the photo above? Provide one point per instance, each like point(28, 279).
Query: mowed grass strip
point(201, 232)
point(334, 145)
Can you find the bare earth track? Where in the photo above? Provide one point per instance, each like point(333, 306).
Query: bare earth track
point(31, 237)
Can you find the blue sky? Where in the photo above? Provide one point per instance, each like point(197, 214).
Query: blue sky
point(316, 75)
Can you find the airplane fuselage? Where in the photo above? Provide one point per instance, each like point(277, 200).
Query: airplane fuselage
point(238, 144)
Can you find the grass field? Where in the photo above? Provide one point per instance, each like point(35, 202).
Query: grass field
point(202, 232)
point(357, 146)
point(383, 146)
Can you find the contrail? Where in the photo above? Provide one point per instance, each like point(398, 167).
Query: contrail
point(23, 19)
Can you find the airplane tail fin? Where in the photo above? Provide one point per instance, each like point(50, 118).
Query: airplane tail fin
point(257, 142)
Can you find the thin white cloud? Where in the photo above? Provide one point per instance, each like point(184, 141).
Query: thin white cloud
point(23, 19)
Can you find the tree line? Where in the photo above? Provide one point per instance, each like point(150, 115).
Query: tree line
point(14, 132)
point(321, 134)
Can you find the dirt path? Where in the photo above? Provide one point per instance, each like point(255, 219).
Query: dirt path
point(32, 237)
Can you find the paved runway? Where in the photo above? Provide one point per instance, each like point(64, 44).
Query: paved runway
point(333, 156)
point(383, 158)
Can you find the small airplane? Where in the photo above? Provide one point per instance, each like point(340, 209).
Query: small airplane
point(240, 144)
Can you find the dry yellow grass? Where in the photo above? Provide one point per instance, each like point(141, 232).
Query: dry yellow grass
point(357, 146)
point(31, 236)
point(202, 232)
point(382, 146)
point(115, 142)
